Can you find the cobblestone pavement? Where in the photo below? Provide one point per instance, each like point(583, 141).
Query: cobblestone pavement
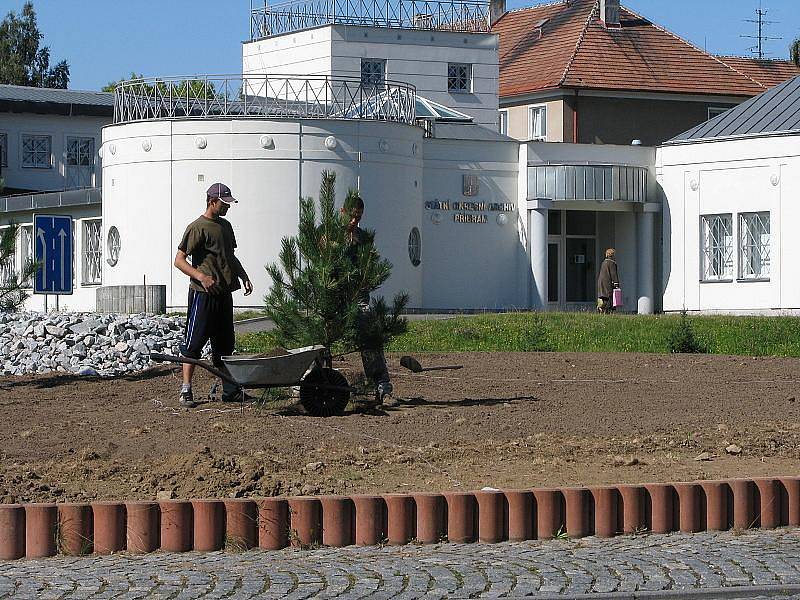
point(754, 564)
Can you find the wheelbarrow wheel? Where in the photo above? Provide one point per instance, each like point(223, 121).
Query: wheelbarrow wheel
point(321, 402)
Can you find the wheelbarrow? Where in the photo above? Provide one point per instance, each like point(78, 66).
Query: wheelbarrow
point(323, 391)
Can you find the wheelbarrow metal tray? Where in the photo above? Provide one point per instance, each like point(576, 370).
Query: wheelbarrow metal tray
point(250, 371)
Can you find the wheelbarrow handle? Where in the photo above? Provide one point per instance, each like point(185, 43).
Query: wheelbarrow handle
point(193, 361)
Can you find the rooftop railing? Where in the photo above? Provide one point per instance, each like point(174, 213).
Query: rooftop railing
point(440, 15)
point(262, 96)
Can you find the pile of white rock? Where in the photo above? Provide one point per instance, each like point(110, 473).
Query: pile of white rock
point(84, 343)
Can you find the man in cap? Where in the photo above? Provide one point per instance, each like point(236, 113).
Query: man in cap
point(214, 274)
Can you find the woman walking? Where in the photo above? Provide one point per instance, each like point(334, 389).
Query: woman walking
point(607, 282)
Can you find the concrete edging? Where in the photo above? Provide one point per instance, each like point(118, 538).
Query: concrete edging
point(486, 516)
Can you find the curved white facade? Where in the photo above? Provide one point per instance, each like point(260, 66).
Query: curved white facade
point(156, 173)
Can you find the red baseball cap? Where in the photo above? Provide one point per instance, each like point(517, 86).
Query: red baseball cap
point(221, 191)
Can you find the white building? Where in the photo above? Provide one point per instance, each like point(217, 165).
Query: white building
point(49, 165)
point(470, 219)
point(730, 215)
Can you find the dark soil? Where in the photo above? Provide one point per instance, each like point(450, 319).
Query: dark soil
point(505, 420)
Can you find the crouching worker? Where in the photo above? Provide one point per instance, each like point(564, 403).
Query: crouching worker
point(372, 356)
point(214, 274)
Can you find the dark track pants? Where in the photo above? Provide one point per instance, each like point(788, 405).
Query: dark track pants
point(210, 317)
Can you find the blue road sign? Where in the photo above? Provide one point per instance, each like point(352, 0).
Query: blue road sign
point(53, 248)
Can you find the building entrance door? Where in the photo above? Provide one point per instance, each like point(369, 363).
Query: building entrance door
point(554, 274)
point(580, 269)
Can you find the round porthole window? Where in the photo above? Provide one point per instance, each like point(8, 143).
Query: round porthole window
point(113, 245)
point(414, 247)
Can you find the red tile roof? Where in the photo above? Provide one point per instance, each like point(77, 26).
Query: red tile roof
point(767, 72)
point(564, 45)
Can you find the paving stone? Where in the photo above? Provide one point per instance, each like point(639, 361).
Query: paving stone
point(672, 563)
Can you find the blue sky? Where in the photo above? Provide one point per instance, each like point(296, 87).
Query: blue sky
point(105, 40)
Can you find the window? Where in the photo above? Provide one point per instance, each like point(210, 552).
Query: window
point(754, 245)
point(414, 247)
point(537, 123)
point(36, 151)
point(92, 252)
point(8, 267)
point(502, 122)
point(113, 245)
point(373, 71)
point(716, 238)
point(3, 149)
point(715, 111)
point(79, 167)
point(459, 77)
point(26, 251)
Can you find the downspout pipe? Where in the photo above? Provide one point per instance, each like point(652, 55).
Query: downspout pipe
point(575, 119)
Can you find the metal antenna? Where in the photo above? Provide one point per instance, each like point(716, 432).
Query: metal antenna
point(761, 23)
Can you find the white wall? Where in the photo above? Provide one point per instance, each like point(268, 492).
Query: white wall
point(731, 176)
point(473, 265)
point(15, 125)
point(152, 196)
point(412, 56)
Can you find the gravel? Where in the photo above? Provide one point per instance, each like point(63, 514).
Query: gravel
point(85, 343)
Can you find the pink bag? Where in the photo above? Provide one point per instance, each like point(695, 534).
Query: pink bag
point(617, 301)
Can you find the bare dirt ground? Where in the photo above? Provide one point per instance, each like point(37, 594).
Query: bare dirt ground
point(506, 420)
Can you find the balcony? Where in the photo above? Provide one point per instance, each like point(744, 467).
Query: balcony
point(263, 96)
point(295, 15)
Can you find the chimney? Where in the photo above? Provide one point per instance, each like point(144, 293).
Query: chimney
point(609, 13)
point(497, 8)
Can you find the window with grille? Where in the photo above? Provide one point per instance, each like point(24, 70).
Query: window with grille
point(754, 245)
point(80, 162)
point(3, 149)
point(36, 152)
point(717, 247)
point(8, 267)
point(373, 71)
point(537, 122)
point(459, 77)
point(26, 251)
point(92, 252)
point(502, 122)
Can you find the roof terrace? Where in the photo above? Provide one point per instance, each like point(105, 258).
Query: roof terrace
point(270, 97)
point(435, 15)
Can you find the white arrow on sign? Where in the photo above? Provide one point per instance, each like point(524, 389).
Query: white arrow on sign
point(62, 234)
point(40, 234)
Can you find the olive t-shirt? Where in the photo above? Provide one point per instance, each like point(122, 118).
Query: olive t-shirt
point(210, 243)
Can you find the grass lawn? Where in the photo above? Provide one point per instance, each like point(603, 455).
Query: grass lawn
point(586, 332)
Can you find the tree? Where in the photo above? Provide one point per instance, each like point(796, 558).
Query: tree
point(22, 61)
point(12, 294)
point(112, 85)
point(197, 88)
point(320, 278)
point(794, 52)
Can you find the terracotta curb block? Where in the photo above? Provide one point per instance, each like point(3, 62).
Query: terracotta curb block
point(109, 520)
point(488, 516)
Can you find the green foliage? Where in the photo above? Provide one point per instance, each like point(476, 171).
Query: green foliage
point(683, 340)
point(193, 88)
point(12, 296)
point(794, 52)
point(584, 332)
point(22, 60)
point(322, 276)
